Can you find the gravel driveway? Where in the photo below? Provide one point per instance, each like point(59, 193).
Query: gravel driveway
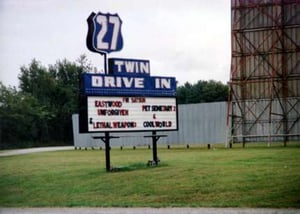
point(34, 150)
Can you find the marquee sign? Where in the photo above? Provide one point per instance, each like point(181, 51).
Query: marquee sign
point(126, 97)
point(131, 114)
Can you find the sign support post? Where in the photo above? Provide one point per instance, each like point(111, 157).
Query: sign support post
point(154, 147)
point(105, 63)
point(106, 140)
point(107, 151)
point(155, 138)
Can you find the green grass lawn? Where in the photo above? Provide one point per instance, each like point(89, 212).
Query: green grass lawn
point(255, 176)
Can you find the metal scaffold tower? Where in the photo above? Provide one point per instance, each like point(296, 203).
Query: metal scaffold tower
point(264, 101)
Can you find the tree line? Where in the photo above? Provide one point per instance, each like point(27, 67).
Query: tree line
point(39, 111)
point(202, 92)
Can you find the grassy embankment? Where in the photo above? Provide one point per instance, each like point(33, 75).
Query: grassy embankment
point(256, 176)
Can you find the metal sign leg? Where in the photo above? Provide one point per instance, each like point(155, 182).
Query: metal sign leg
point(106, 140)
point(154, 147)
point(107, 151)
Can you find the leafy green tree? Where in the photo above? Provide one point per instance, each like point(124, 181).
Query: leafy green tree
point(65, 98)
point(57, 88)
point(183, 93)
point(40, 112)
point(22, 118)
point(202, 91)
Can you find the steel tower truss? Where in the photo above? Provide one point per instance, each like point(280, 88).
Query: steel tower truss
point(264, 101)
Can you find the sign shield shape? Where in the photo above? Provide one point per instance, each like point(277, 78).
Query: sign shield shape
point(104, 33)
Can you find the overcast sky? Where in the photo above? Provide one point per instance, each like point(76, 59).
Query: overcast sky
point(189, 39)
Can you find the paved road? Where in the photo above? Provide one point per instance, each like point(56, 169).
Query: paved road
point(34, 150)
point(146, 211)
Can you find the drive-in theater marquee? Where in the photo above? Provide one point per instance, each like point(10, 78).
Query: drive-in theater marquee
point(125, 97)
